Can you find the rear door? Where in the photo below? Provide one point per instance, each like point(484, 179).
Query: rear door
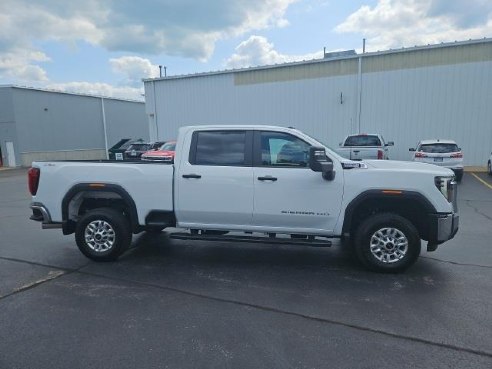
point(289, 197)
point(214, 184)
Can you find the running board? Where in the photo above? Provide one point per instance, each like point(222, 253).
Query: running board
point(251, 239)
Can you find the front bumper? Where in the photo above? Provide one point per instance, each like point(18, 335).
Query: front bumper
point(443, 227)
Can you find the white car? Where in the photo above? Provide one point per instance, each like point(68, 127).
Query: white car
point(444, 153)
point(489, 165)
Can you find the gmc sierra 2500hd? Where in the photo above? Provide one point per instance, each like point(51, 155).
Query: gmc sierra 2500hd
point(253, 180)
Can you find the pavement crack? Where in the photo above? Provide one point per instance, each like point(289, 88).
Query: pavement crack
point(52, 275)
point(295, 314)
point(456, 263)
point(468, 202)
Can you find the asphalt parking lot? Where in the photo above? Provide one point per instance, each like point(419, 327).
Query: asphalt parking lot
point(181, 304)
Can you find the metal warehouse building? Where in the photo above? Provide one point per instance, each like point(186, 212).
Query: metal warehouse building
point(47, 125)
point(435, 91)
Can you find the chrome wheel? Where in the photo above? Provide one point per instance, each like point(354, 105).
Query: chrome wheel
point(389, 245)
point(99, 235)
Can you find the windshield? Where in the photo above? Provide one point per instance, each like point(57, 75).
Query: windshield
point(169, 146)
point(439, 148)
point(363, 140)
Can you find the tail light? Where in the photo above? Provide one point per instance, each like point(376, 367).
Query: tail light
point(380, 154)
point(419, 154)
point(457, 155)
point(33, 180)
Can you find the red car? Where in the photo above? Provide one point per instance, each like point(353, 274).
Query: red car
point(165, 153)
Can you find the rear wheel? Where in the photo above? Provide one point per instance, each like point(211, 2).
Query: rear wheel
point(103, 234)
point(387, 243)
point(489, 167)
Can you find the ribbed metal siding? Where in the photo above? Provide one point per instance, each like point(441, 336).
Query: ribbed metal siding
point(312, 105)
point(447, 102)
point(48, 121)
point(406, 96)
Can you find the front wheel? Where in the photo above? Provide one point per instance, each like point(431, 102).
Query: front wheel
point(103, 234)
point(387, 243)
point(489, 167)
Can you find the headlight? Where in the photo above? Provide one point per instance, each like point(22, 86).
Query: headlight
point(447, 186)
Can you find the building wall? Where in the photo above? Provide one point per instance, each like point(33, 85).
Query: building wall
point(60, 126)
point(311, 105)
point(8, 131)
point(125, 119)
point(434, 92)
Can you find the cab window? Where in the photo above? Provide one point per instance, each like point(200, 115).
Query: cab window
point(225, 148)
point(280, 149)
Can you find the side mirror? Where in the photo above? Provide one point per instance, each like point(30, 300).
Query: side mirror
point(340, 144)
point(390, 143)
point(459, 148)
point(411, 149)
point(319, 162)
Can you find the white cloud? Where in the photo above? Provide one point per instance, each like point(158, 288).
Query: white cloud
point(397, 23)
point(17, 64)
point(100, 89)
point(257, 50)
point(186, 28)
point(134, 68)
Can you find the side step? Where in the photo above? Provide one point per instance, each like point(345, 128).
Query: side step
point(251, 239)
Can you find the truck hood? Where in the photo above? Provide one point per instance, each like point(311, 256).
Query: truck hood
point(409, 166)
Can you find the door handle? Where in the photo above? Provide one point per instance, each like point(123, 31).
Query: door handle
point(192, 176)
point(267, 178)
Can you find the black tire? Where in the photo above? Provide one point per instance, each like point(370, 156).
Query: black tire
point(118, 241)
point(394, 264)
point(489, 167)
point(459, 176)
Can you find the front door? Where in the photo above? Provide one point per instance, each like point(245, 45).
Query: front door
point(214, 185)
point(290, 197)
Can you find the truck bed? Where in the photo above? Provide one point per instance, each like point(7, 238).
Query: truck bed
point(149, 184)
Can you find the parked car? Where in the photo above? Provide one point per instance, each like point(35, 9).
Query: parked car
point(444, 153)
point(364, 146)
point(135, 150)
point(489, 165)
point(116, 151)
point(222, 181)
point(164, 153)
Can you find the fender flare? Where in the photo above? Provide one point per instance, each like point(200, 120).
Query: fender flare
point(379, 194)
point(101, 187)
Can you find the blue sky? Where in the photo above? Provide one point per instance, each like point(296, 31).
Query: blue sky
point(107, 46)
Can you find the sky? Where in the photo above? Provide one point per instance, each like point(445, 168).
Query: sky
point(106, 47)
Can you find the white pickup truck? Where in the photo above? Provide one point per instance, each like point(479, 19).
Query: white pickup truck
point(253, 184)
point(364, 147)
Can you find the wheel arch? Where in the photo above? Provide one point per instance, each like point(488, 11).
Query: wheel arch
point(410, 204)
point(75, 196)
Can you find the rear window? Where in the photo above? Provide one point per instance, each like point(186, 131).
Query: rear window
point(220, 148)
point(363, 140)
point(439, 148)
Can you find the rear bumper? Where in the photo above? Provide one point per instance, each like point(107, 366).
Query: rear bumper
point(41, 214)
point(443, 227)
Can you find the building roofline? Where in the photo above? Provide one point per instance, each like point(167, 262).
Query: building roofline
point(69, 93)
point(322, 60)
